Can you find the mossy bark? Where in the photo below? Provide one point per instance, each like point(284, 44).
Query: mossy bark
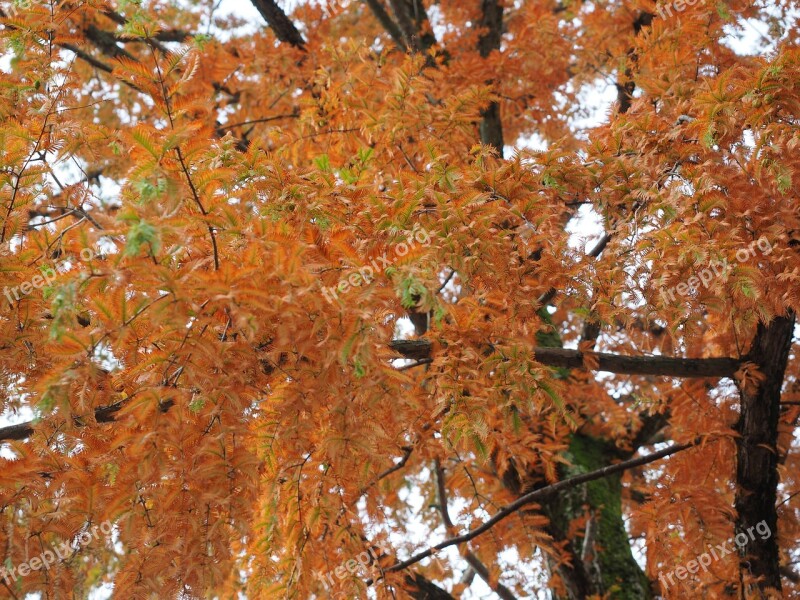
point(602, 560)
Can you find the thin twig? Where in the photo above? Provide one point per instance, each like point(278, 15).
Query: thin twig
point(420, 362)
point(471, 558)
point(293, 115)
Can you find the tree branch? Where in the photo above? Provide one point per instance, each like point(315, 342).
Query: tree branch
point(420, 588)
point(414, 27)
point(407, 450)
point(102, 414)
point(757, 455)
point(667, 366)
point(491, 127)
point(388, 24)
point(293, 115)
point(281, 25)
point(472, 559)
point(540, 494)
point(553, 357)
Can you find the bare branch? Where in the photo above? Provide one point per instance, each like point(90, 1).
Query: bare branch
point(281, 25)
point(102, 414)
point(471, 558)
point(537, 495)
point(224, 128)
point(419, 363)
point(407, 450)
point(388, 24)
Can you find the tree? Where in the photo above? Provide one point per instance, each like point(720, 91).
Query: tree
point(212, 243)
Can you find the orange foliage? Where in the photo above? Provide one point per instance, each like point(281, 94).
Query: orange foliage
point(192, 383)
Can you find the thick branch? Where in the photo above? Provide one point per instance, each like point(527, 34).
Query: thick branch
point(667, 366)
point(420, 588)
point(106, 42)
point(386, 21)
point(491, 127)
point(412, 21)
point(281, 25)
point(626, 86)
point(164, 35)
point(553, 357)
point(537, 495)
point(84, 56)
point(102, 414)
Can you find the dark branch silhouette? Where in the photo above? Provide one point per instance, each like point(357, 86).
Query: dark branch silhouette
point(667, 366)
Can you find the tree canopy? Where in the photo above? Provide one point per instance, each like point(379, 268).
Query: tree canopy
point(381, 299)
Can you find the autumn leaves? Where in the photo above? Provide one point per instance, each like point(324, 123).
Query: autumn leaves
point(715, 269)
point(366, 274)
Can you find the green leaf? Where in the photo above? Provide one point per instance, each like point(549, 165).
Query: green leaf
point(323, 163)
point(111, 470)
point(62, 307)
point(412, 292)
point(708, 137)
point(359, 368)
point(364, 154)
point(139, 234)
point(480, 447)
point(347, 176)
point(201, 39)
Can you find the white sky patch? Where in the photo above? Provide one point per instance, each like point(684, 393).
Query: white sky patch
point(528, 142)
point(761, 37)
point(237, 8)
point(585, 228)
point(436, 20)
point(5, 61)
point(595, 100)
point(748, 37)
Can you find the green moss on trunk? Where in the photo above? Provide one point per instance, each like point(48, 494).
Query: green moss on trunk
point(608, 566)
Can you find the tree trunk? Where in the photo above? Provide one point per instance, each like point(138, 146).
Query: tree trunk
point(601, 561)
point(757, 457)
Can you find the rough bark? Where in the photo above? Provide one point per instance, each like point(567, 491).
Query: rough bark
point(388, 24)
point(757, 456)
point(626, 85)
point(601, 562)
point(412, 20)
